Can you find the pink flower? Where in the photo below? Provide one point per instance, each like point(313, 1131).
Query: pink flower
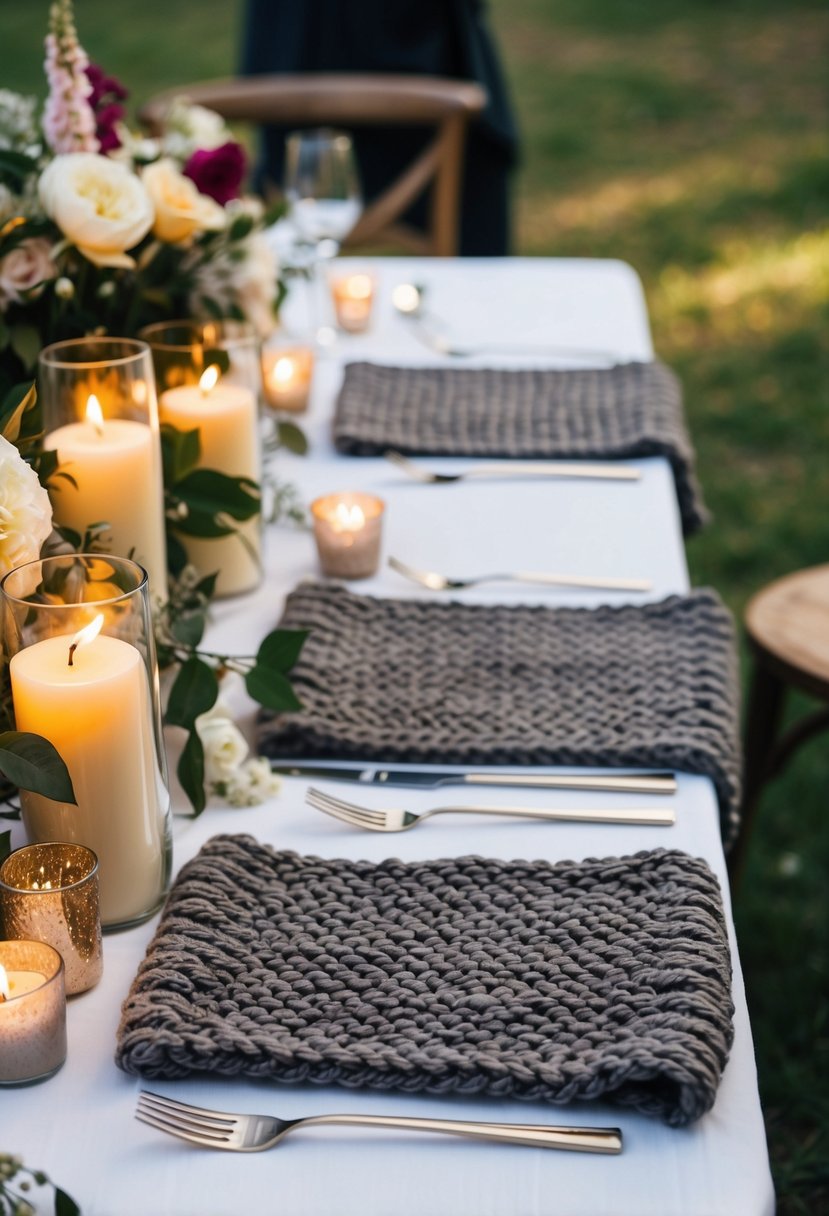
point(217, 172)
point(68, 119)
point(105, 98)
point(24, 270)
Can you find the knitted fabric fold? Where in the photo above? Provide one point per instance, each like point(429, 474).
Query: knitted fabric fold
point(410, 681)
point(603, 979)
point(630, 410)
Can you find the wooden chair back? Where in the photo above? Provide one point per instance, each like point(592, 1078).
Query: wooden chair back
point(348, 100)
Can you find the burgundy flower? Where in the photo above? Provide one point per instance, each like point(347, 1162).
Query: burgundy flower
point(105, 98)
point(217, 172)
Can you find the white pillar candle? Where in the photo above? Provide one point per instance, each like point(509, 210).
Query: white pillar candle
point(115, 464)
point(227, 420)
point(97, 714)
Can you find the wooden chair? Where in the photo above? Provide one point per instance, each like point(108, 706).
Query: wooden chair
point(348, 100)
point(787, 624)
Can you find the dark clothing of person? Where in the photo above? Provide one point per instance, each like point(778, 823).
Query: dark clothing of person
point(423, 37)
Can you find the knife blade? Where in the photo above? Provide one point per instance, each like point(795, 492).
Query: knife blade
point(635, 783)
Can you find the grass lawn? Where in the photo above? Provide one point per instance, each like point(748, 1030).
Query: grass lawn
point(688, 138)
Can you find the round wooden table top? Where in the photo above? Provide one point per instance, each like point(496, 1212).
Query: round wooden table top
point(788, 622)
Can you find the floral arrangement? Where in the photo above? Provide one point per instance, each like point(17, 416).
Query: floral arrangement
point(103, 231)
point(19, 1187)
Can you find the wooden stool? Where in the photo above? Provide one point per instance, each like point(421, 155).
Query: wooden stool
point(788, 631)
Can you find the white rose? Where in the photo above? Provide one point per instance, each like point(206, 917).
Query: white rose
point(24, 269)
point(188, 127)
point(224, 744)
point(253, 783)
point(25, 510)
point(180, 211)
point(98, 204)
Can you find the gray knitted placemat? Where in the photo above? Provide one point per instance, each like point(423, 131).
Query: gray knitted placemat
point(524, 979)
point(633, 409)
point(418, 682)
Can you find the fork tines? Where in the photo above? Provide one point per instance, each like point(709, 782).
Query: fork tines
point(346, 812)
point(193, 1123)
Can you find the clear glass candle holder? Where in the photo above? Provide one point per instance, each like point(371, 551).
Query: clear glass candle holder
point(32, 1012)
point(100, 414)
point(83, 671)
point(348, 531)
point(353, 297)
point(209, 381)
point(287, 372)
point(49, 893)
point(183, 350)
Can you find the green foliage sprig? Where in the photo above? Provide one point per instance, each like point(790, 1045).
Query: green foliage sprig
point(16, 1183)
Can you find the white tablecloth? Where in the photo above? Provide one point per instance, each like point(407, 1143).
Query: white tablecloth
point(79, 1126)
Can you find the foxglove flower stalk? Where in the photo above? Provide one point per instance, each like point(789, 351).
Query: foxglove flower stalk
point(68, 119)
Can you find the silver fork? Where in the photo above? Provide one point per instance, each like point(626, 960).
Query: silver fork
point(441, 582)
point(518, 468)
point(253, 1133)
point(393, 819)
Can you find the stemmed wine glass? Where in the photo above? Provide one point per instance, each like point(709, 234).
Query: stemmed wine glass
point(322, 190)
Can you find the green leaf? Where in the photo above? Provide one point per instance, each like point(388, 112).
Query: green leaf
point(32, 763)
point(190, 771)
point(26, 344)
point(202, 524)
point(208, 492)
point(194, 692)
point(64, 1204)
point(5, 844)
point(12, 418)
point(271, 688)
point(180, 451)
point(281, 648)
point(16, 165)
point(189, 629)
point(292, 437)
point(176, 553)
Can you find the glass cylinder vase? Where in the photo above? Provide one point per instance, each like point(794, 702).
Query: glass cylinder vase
point(209, 381)
point(100, 414)
point(78, 633)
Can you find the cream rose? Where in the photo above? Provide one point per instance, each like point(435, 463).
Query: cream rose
point(180, 211)
point(224, 745)
point(98, 204)
point(25, 510)
point(23, 270)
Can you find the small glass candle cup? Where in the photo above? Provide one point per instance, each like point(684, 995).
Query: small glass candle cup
point(348, 530)
point(287, 369)
point(79, 636)
point(49, 893)
point(353, 296)
point(100, 414)
point(32, 1012)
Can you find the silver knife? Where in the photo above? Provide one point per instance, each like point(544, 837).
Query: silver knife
point(641, 783)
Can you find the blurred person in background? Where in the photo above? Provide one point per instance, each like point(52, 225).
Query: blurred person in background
point(422, 37)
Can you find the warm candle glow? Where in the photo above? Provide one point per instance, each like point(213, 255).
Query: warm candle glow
point(94, 413)
point(86, 635)
point(359, 286)
point(348, 519)
point(282, 371)
point(4, 983)
point(209, 378)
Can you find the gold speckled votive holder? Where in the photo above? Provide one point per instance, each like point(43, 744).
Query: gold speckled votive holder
point(348, 530)
point(49, 893)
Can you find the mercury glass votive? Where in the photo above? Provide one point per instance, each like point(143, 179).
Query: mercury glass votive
point(287, 369)
point(353, 296)
point(49, 893)
point(348, 531)
point(32, 1012)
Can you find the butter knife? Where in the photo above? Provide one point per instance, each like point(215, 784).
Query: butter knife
point(638, 783)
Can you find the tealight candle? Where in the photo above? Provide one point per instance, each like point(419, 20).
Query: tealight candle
point(32, 1012)
point(353, 298)
point(49, 893)
point(228, 424)
point(286, 377)
point(347, 529)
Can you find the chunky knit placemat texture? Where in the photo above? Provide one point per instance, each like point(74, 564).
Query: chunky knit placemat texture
point(550, 982)
point(633, 409)
point(420, 682)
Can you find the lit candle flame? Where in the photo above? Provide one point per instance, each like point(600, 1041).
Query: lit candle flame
point(209, 378)
point(359, 286)
point(86, 635)
point(4, 984)
point(282, 371)
point(348, 519)
point(94, 413)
